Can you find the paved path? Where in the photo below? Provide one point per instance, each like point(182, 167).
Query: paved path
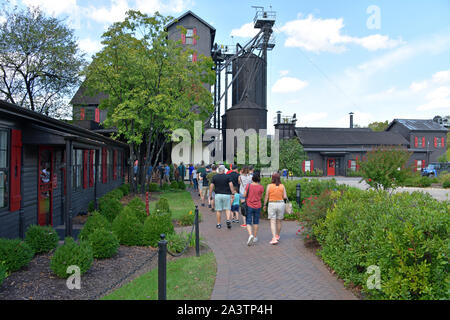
point(286, 271)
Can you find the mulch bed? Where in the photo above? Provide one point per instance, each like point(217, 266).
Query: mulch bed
point(37, 282)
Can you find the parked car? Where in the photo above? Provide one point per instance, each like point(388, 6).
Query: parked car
point(435, 169)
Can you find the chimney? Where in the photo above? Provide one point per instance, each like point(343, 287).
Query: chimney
point(351, 120)
point(278, 117)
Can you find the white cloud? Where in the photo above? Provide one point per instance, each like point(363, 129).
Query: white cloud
point(114, 13)
point(288, 84)
point(284, 73)
point(441, 76)
point(54, 7)
point(317, 35)
point(89, 46)
point(418, 86)
point(245, 31)
point(163, 6)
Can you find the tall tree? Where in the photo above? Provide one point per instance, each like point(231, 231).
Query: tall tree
point(292, 155)
point(151, 84)
point(379, 126)
point(39, 61)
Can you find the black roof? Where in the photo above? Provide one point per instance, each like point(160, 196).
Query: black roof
point(418, 125)
point(189, 12)
point(81, 98)
point(54, 124)
point(346, 136)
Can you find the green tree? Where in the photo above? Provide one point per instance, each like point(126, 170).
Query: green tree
point(152, 85)
point(40, 61)
point(379, 126)
point(385, 167)
point(292, 155)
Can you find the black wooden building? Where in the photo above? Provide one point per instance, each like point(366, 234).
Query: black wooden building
point(50, 170)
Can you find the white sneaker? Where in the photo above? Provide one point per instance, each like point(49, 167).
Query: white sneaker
point(255, 239)
point(250, 240)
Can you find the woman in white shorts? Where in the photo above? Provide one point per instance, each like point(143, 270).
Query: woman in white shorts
point(275, 196)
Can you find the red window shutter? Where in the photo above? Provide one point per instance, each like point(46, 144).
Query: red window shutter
point(416, 142)
point(357, 163)
point(195, 36)
point(423, 142)
point(435, 142)
point(183, 38)
point(415, 165)
point(16, 160)
point(115, 164)
point(349, 164)
point(104, 166)
point(85, 167)
point(82, 114)
point(303, 166)
point(97, 115)
point(194, 57)
point(91, 168)
point(312, 165)
point(443, 142)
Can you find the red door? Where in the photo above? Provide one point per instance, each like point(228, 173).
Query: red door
point(45, 185)
point(331, 167)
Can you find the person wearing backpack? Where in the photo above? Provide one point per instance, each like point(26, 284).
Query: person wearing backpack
point(253, 194)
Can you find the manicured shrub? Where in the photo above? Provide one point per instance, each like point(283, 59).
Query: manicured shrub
point(425, 182)
point(110, 207)
point(128, 229)
point(125, 188)
point(104, 244)
point(405, 235)
point(155, 225)
point(446, 184)
point(138, 212)
point(165, 187)
point(94, 222)
point(176, 242)
point(15, 254)
point(153, 187)
point(91, 206)
point(181, 185)
point(162, 205)
point(138, 208)
point(2, 273)
point(115, 194)
point(174, 185)
point(71, 254)
point(41, 239)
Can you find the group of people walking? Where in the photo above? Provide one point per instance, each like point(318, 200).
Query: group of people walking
point(239, 191)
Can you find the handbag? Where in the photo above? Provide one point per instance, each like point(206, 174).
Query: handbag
point(244, 206)
point(288, 207)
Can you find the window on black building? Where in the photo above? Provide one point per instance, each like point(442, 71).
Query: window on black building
point(4, 168)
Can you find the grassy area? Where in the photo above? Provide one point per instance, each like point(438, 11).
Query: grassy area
point(180, 202)
point(189, 278)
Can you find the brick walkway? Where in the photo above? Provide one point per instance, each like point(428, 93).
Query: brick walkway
point(262, 271)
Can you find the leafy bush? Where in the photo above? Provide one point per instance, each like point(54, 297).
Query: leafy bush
point(165, 187)
point(15, 254)
point(446, 184)
point(91, 206)
point(41, 239)
point(155, 225)
point(94, 222)
point(115, 194)
point(136, 211)
point(128, 229)
point(71, 254)
point(176, 242)
point(181, 185)
point(138, 205)
point(125, 188)
point(162, 205)
point(188, 219)
point(174, 185)
point(425, 182)
point(405, 235)
point(153, 187)
point(3, 273)
point(110, 207)
point(385, 167)
point(104, 244)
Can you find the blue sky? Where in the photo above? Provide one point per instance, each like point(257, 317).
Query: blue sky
point(379, 59)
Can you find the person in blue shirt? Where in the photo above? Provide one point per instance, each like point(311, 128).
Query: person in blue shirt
point(150, 173)
point(235, 206)
point(191, 169)
point(167, 173)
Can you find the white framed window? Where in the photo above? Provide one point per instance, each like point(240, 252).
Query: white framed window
point(420, 165)
point(307, 166)
point(353, 165)
point(190, 36)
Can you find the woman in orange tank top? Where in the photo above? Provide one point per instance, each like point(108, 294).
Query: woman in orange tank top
point(275, 196)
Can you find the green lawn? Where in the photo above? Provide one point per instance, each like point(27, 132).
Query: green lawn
point(189, 278)
point(180, 203)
